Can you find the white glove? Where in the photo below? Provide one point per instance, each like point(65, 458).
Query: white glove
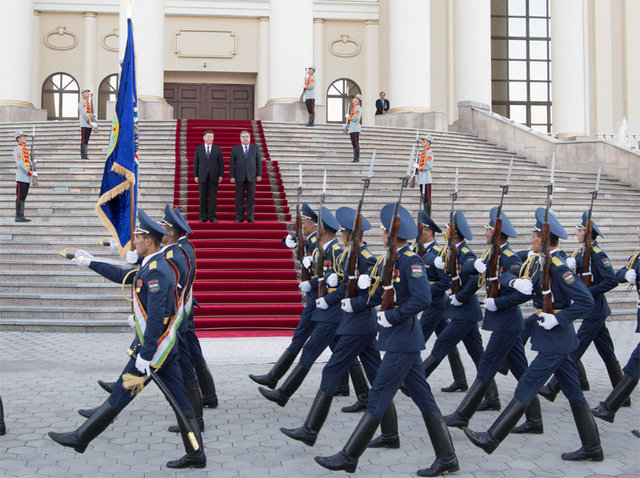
point(480, 266)
point(305, 286)
point(571, 262)
point(34, 174)
point(346, 305)
point(455, 302)
point(364, 281)
point(346, 116)
point(143, 366)
point(630, 276)
point(332, 280)
point(530, 253)
point(81, 261)
point(113, 244)
point(550, 321)
point(490, 304)
point(524, 286)
point(382, 320)
point(416, 165)
point(439, 263)
point(290, 241)
point(322, 304)
point(131, 257)
point(132, 321)
point(306, 262)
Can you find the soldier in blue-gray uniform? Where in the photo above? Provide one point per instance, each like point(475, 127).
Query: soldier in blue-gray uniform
point(400, 336)
point(156, 322)
point(327, 313)
point(357, 338)
point(503, 318)
point(555, 340)
point(463, 310)
point(306, 325)
point(630, 274)
point(354, 118)
point(432, 319)
point(593, 327)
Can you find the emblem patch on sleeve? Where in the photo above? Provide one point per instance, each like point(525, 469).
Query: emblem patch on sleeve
point(416, 271)
point(606, 262)
point(568, 277)
point(154, 286)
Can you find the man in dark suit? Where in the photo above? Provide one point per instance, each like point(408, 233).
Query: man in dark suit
point(245, 169)
point(382, 104)
point(208, 171)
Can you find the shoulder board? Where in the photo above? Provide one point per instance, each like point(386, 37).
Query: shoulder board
point(596, 249)
point(575, 253)
point(437, 248)
point(170, 254)
point(409, 253)
point(558, 262)
point(153, 264)
point(365, 253)
point(465, 249)
point(335, 246)
point(313, 239)
point(507, 253)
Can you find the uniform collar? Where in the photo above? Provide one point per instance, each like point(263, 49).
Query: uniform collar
point(148, 258)
point(428, 244)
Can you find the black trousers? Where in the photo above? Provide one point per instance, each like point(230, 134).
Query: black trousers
point(208, 198)
point(311, 106)
point(355, 140)
point(86, 134)
point(245, 193)
point(22, 189)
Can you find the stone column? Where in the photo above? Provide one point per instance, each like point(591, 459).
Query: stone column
point(262, 83)
point(16, 38)
point(632, 65)
point(472, 51)
point(36, 91)
point(318, 59)
point(89, 54)
point(568, 68)
point(371, 66)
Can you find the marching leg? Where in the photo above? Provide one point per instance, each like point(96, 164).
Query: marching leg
point(468, 406)
point(615, 376)
point(588, 431)
point(446, 460)
point(491, 400)
point(195, 398)
point(607, 409)
point(94, 426)
point(282, 395)
point(457, 370)
point(533, 421)
point(361, 389)
point(308, 433)
point(490, 439)
point(270, 379)
point(195, 458)
point(389, 427)
point(207, 385)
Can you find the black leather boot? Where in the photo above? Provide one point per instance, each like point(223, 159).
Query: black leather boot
point(356, 155)
point(94, 426)
point(446, 460)
point(195, 398)
point(389, 427)
point(615, 375)
point(20, 212)
point(636, 433)
point(491, 399)
point(359, 406)
point(343, 387)
point(84, 151)
point(207, 385)
point(550, 390)
point(347, 458)
point(460, 418)
point(457, 370)
point(582, 374)
point(497, 432)
point(308, 433)
point(87, 412)
point(607, 409)
point(430, 364)
point(3, 427)
point(533, 419)
point(195, 457)
point(361, 388)
point(107, 386)
point(270, 379)
point(588, 431)
point(282, 395)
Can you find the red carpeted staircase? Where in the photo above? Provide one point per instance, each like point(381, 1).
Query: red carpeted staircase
point(246, 282)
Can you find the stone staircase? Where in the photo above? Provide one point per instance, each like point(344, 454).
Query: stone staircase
point(482, 169)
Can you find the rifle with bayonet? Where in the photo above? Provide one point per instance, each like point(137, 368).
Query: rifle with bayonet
point(493, 288)
point(304, 273)
point(419, 242)
point(452, 263)
point(545, 251)
point(587, 276)
point(32, 157)
point(356, 238)
point(322, 286)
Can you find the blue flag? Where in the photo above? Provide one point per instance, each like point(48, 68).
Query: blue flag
point(120, 179)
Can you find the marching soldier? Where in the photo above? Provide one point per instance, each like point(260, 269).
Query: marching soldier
point(353, 127)
point(310, 94)
point(87, 122)
point(554, 339)
point(155, 321)
point(401, 338)
point(24, 174)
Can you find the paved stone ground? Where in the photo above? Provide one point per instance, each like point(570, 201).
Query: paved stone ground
point(46, 377)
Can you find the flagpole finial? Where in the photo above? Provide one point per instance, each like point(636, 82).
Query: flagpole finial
point(129, 4)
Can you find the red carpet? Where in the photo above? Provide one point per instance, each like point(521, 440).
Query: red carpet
point(246, 282)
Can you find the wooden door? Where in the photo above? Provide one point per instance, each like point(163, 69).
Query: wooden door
point(210, 101)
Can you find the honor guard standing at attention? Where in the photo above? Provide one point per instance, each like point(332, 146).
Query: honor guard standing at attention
point(423, 168)
point(306, 325)
point(593, 328)
point(353, 126)
point(357, 338)
point(155, 321)
point(24, 174)
point(327, 313)
point(555, 340)
point(401, 338)
point(310, 94)
point(503, 318)
point(87, 122)
point(630, 274)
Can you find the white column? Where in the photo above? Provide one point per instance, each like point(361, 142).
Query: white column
point(632, 65)
point(290, 48)
point(35, 63)
point(568, 68)
point(318, 59)
point(371, 66)
point(89, 52)
point(148, 34)
point(262, 83)
point(16, 38)
point(472, 51)
point(409, 55)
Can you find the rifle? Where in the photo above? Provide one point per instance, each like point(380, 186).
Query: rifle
point(545, 252)
point(388, 266)
point(301, 99)
point(356, 238)
point(587, 276)
point(452, 264)
point(304, 273)
point(32, 157)
point(94, 123)
point(493, 288)
point(322, 287)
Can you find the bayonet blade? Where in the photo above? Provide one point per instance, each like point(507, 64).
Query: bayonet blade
point(373, 159)
point(509, 174)
point(411, 160)
point(300, 175)
point(324, 182)
point(456, 183)
point(598, 179)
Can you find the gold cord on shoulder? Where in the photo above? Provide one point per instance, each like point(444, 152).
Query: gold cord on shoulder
point(124, 281)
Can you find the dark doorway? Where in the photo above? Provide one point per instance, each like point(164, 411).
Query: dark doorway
point(206, 101)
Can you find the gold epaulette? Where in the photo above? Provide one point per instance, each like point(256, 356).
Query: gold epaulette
point(153, 265)
point(557, 261)
point(170, 254)
point(437, 248)
point(366, 254)
point(409, 253)
point(507, 252)
point(596, 249)
point(465, 249)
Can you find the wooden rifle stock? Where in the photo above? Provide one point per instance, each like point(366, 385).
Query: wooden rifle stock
point(547, 298)
point(419, 242)
point(493, 284)
point(354, 254)
point(452, 266)
point(389, 266)
point(586, 254)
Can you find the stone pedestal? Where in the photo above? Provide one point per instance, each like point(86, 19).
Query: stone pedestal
point(14, 113)
point(432, 120)
point(291, 113)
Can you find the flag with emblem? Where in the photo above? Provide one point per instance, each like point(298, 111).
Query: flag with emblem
point(117, 204)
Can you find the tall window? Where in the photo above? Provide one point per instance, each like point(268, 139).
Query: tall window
point(339, 96)
point(520, 61)
point(108, 91)
point(60, 97)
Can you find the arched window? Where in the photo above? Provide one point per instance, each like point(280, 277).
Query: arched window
point(339, 95)
point(108, 91)
point(60, 96)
